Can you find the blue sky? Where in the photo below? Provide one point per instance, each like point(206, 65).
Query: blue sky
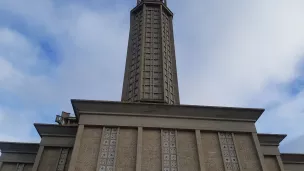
point(229, 53)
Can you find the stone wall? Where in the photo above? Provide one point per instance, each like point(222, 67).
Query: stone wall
point(150, 149)
point(54, 158)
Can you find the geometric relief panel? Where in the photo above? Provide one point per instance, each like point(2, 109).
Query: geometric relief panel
point(228, 151)
point(169, 150)
point(247, 152)
point(108, 149)
point(62, 159)
point(212, 157)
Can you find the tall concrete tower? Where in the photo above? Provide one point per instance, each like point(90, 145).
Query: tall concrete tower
point(150, 73)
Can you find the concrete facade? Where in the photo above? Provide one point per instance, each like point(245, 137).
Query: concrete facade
point(149, 130)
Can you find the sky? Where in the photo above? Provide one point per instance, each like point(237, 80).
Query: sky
point(229, 53)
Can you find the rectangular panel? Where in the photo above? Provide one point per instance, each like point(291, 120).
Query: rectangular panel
point(18, 157)
point(212, 152)
point(8, 167)
point(49, 159)
point(89, 148)
point(126, 150)
point(187, 151)
point(58, 141)
point(247, 152)
point(271, 163)
point(151, 151)
point(270, 150)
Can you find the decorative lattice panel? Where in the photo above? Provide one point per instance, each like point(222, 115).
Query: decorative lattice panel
point(62, 159)
point(228, 152)
point(108, 149)
point(169, 150)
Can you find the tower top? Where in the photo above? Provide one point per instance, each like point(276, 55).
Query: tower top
point(163, 1)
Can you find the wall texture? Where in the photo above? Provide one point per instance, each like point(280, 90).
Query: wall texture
point(89, 148)
point(146, 149)
point(271, 163)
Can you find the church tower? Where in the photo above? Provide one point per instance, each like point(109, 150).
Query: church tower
point(150, 72)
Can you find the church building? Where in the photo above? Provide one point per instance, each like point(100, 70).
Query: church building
point(149, 130)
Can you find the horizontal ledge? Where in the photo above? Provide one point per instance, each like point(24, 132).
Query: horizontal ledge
point(161, 116)
point(271, 139)
point(17, 161)
point(56, 130)
point(149, 109)
point(172, 123)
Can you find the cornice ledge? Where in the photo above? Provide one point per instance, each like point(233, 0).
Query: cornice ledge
point(56, 130)
point(165, 110)
point(18, 147)
point(271, 139)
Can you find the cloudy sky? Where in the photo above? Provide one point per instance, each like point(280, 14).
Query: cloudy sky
point(229, 53)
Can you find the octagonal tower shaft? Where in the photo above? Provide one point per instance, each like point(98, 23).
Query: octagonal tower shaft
point(150, 72)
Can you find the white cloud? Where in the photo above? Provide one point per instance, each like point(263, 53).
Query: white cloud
point(241, 53)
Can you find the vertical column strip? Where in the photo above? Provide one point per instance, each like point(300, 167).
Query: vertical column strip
point(141, 89)
point(139, 148)
point(98, 165)
point(176, 146)
point(258, 149)
point(199, 149)
point(237, 153)
point(161, 50)
point(76, 148)
point(38, 157)
point(279, 160)
point(162, 150)
point(117, 139)
point(1, 163)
